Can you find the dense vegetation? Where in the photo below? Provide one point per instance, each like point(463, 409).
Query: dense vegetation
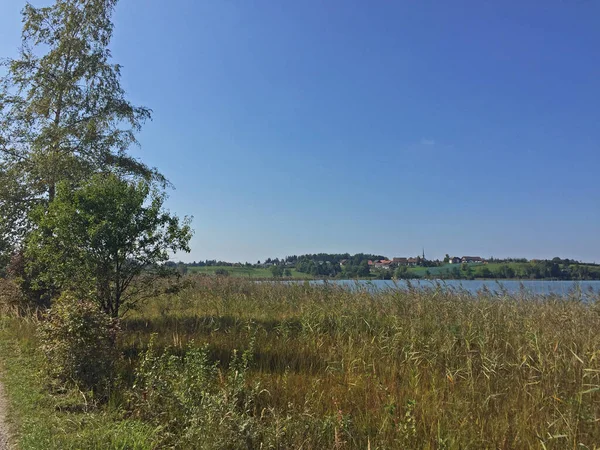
point(534, 270)
point(77, 212)
point(228, 363)
point(336, 265)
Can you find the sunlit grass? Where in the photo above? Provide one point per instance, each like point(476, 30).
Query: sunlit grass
point(335, 367)
point(422, 368)
point(242, 271)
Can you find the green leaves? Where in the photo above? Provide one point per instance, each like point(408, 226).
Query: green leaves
point(96, 239)
point(78, 341)
point(89, 214)
point(63, 112)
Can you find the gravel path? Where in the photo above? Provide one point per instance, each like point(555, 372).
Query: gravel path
point(4, 432)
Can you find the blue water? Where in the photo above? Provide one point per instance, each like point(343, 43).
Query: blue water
point(559, 288)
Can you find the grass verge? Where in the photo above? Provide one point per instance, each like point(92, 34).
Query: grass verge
point(44, 420)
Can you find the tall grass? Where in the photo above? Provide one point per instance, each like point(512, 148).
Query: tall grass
point(239, 364)
point(413, 368)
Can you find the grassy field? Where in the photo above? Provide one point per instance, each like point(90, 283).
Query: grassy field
point(244, 272)
point(474, 266)
point(228, 363)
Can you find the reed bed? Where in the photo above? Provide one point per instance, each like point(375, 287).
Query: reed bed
point(334, 367)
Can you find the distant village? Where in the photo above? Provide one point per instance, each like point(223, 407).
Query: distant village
point(363, 265)
point(373, 263)
point(417, 261)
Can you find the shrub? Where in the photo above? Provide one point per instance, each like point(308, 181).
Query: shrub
point(79, 343)
point(11, 299)
point(100, 237)
point(222, 272)
point(33, 295)
point(200, 404)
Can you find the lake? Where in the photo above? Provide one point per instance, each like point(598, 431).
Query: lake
point(543, 287)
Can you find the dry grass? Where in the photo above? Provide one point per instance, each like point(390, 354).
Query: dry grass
point(397, 369)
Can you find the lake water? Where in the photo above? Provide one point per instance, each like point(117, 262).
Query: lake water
point(561, 288)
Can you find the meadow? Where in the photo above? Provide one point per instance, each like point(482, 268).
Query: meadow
point(229, 363)
point(242, 271)
point(475, 267)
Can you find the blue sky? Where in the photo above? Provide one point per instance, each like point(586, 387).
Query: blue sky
point(465, 127)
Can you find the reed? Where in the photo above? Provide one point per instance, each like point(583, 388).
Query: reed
point(231, 363)
point(412, 368)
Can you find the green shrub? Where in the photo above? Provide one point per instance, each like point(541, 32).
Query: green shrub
point(200, 404)
point(79, 343)
point(32, 295)
point(11, 298)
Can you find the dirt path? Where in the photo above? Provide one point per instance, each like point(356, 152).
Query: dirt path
point(4, 431)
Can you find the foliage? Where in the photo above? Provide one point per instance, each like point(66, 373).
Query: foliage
point(222, 272)
point(79, 343)
point(535, 270)
point(25, 276)
point(330, 265)
point(181, 269)
point(557, 268)
point(382, 274)
point(402, 273)
point(199, 404)
point(11, 298)
point(63, 113)
point(96, 239)
point(277, 271)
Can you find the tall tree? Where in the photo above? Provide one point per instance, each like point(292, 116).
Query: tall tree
point(63, 113)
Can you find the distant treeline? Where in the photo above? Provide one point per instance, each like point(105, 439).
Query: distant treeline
point(341, 265)
point(555, 269)
point(214, 262)
point(557, 260)
point(345, 265)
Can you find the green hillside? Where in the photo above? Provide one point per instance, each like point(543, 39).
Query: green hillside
point(242, 271)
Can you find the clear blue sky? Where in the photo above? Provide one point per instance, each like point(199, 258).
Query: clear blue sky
point(290, 127)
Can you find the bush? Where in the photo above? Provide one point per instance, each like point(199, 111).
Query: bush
point(201, 405)
point(79, 343)
point(277, 271)
point(222, 272)
point(11, 299)
point(32, 295)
